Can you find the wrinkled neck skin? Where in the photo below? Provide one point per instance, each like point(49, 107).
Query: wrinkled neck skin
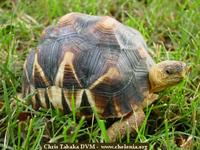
point(155, 80)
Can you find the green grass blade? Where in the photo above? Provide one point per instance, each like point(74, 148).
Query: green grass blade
point(74, 137)
point(27, 140)
point(38, 139)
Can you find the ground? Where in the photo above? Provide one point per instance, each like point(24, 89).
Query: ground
point(171, 30)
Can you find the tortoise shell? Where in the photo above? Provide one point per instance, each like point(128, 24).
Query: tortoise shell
point(93, 60)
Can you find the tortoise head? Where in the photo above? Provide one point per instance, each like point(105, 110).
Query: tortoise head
point(165, 74)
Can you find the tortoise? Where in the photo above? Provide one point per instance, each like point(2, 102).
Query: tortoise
point(102, 63)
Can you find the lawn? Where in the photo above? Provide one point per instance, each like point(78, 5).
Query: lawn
point(171, 30)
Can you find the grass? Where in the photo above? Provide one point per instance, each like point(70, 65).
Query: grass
point(172, 31)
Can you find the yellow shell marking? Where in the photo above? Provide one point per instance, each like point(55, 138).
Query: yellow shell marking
point(77, 97)
point(112, 73)
point(107, 22)
point(92, 102)
point(117, 108)
point(37, 69)
point(66, 19)
point(67, 60)
point(55, 97)
point(32, 90)
point(41, 93)
point(143, 53)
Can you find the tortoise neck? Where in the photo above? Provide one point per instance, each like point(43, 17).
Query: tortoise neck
point(156, 84)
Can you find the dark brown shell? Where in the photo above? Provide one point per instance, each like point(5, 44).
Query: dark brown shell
point(93, 60)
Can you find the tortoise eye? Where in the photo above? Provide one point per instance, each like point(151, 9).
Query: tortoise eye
point(169, 71)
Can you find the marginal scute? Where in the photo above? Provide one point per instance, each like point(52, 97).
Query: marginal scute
point(98, 102)
point(75, 95)
point(41, 94)
point(33, 101)
point(47, 101)
point(55, 97)
point(109, 109)
point(65, 103)
point(85, 107)
point(67, 96)
point(117, 107)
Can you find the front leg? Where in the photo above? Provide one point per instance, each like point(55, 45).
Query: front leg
point(131, 122)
